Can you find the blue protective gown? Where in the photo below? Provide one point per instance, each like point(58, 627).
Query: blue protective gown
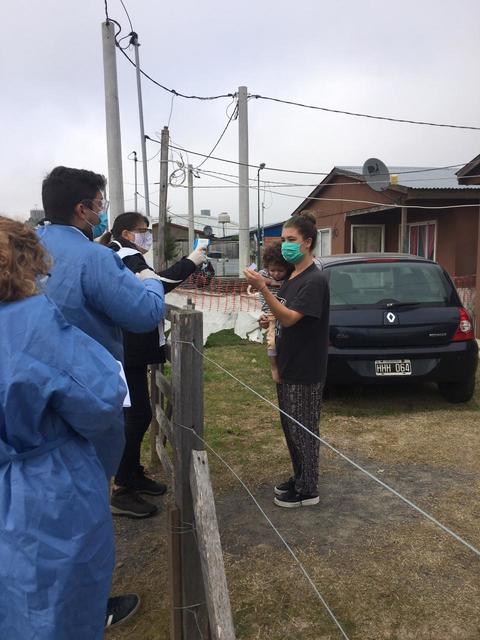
point(96, 293)
point(58, 390)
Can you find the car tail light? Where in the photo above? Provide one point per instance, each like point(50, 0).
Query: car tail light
point(465, 327)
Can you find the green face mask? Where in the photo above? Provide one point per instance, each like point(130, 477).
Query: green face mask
point(291, 252)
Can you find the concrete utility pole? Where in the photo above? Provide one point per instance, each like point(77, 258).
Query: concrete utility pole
point(259, 236)
point(162, 207)
point(112, 117)
point(134, 41)
point(135, 161)
point(191, 211)
point(243, 189)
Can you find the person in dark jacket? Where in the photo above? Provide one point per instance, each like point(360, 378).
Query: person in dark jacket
point(131, 238)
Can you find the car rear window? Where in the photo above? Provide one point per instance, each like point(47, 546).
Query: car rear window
point(376, 283)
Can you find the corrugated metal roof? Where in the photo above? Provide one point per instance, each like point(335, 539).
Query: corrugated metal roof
point(422, 177)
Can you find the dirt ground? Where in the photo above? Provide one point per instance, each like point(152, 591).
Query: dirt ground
point(386, 572)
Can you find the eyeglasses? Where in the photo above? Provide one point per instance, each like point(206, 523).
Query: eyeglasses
point(102, 204)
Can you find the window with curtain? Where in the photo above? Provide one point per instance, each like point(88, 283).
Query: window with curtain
point(367, 238)
point(421, 239)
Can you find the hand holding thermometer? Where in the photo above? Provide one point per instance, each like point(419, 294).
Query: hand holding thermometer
point(201, 243)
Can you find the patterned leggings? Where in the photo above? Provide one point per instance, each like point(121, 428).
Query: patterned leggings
point(303, 402)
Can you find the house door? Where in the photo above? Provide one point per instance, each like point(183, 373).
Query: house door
point(422, 240)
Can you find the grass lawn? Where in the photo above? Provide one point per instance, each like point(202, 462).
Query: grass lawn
point(386, 572)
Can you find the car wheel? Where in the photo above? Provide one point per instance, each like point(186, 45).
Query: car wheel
point(457, 392)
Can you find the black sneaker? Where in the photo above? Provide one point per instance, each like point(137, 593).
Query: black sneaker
point(292, 499)
point(284, 487)
point(144, 484)
point(120, 609)
point(127, 502)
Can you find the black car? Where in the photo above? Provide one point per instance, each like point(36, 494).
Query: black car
point(398, 318)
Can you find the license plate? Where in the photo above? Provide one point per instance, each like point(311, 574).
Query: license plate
point(393, 368)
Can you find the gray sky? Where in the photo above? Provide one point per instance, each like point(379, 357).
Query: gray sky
point(408, 59)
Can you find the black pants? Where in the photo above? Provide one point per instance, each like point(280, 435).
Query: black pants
point(304, 403)
point(137, 421)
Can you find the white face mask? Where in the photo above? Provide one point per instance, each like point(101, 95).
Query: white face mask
point(144, 240)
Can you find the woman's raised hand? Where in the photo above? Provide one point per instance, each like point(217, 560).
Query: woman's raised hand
point(255, 279)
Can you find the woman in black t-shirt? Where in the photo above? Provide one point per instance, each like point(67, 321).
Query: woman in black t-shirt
point(301, 309)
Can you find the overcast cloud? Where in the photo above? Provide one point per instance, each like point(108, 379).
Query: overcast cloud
point(408, 59)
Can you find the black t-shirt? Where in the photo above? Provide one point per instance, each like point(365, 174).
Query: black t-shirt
point(302, 349)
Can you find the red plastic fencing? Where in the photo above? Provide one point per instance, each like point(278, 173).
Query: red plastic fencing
point(220, 294)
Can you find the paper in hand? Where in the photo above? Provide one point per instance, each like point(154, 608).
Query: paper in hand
point(127, 402)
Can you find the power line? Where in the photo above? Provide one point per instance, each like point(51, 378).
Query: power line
point(128, 17)
point(289, 102)
point(212, 174)
point(232, 117)
point(311, 173)
point(364, 115)
point(177, 93)
point(353, 201)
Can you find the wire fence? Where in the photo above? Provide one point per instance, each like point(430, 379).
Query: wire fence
point(447, 530)
point(214, 293)
point(347, 459)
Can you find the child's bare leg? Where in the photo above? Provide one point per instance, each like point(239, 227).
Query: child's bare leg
point(274, 368)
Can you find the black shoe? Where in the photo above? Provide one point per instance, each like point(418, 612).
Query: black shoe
point(127, 502)
point(144, 484)
point(292, 499)
point(121, 608)
point(285, 487)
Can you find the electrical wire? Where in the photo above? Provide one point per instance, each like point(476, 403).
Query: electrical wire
point(300, 104)
point(353, 201)
point(128, 17)
point(177, 93)
point(232, 117)
point(312, 173)
point(364, 115)
point(210, 173)
point(171, 110)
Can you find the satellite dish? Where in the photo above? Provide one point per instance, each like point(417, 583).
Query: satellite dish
point(376, 174)
point(207, 231)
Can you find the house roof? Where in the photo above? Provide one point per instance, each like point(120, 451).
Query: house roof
point(465, 170)
point(411, 178)
point(420, 177)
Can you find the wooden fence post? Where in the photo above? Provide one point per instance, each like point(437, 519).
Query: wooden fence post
point(174, 559)
point(154, 399)
point(187, 398)
point(208, 539)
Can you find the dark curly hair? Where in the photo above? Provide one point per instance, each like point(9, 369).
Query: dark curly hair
point(272, 256)
point(22, 260)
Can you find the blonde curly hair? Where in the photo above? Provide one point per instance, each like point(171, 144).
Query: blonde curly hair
point(22, 260)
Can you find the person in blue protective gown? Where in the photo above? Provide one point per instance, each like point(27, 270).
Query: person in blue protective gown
point(90, 284)
point(97, 293)
point(58, 390)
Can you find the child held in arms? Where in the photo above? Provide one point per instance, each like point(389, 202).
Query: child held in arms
point(276, 270)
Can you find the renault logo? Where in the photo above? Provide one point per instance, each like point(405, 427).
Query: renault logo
point(391, 318)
